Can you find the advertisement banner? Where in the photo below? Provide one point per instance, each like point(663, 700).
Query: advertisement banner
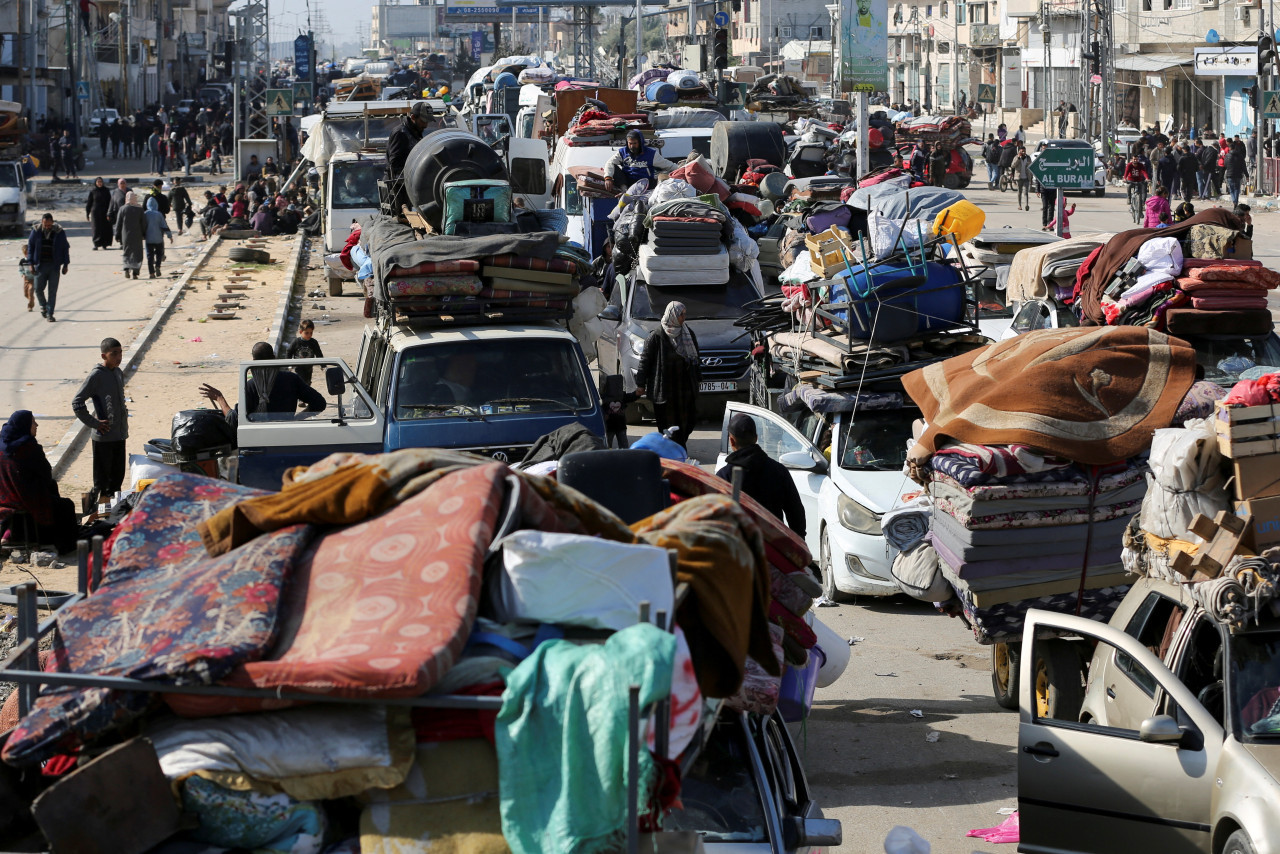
point(864, 46)
point(1226, 61)
point(477, 45)
point(484, 10)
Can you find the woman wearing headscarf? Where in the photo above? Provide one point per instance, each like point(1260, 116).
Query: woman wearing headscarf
point(264, 221)
point(669, 373)
point(27, 486)
point(131, 232)
point(96, 209)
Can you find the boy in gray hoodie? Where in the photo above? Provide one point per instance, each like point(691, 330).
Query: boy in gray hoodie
point(104, 387)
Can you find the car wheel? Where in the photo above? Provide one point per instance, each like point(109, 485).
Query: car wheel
point(1005, 658)
point(1100, 192)
point(1058, 690)
point(829, 589)
point(1239, 843)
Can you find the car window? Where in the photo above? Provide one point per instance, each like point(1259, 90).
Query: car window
point(488, 378)
point(990, 299)
point(1068, 714)
point(355, 184)
point(701, 302)
point(1199, 668)
point(720, 796)
point(1154, 625)
point(1255, 684)
point(772, 436)
point(1223, 359)
point(1033, 315)
point(876, 440)
point(285, 392)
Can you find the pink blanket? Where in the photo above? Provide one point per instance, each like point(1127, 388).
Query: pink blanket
point(1191, 285)
point(1221, 302)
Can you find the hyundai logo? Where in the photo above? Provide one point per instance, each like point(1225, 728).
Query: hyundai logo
point(712, 361)
point(500, 456)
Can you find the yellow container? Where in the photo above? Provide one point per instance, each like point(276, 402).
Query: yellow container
point(964, 219)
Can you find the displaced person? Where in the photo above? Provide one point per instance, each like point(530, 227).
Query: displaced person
point(1156, 205)
point(305, 346)
point(28, 279)
point(131, 229)
point(635, 162)
point(264, 221)
point(271, 393)
point(1022, 172)
point(764, 479)
point(669, 373)
point(96, 208)
point(180, 203)
point(104, 388)
point(27, 486)
point(614, 400)
point(157, 229)
point(50, 254)
point(405, 137)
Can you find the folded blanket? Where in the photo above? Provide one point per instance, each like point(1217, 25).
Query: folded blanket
point(1218, 302)
point(433, 285)
point(1002, 622)
point(1260, 275)
point(1192, 285)
point(1027, 565)
point(1079, 483)
point(1101, 577)
point(958, 534)
point(520, 262)
point(1035, 518)
point(428, 268)
point(963, 504)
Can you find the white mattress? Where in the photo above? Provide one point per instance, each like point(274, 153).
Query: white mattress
point(684, 269)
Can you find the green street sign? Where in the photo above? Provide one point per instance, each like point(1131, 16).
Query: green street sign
point(1064, 168)
point(302, 94)
point(279, 102)
point(986, 93)
point(1271, 104)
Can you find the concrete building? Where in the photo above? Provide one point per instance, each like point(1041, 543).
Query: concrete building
point(760, 28)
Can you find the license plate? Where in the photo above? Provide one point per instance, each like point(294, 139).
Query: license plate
point(718, 386)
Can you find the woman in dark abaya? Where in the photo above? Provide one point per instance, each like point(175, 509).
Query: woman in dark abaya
point(670, 372)
point(27, 486)
point(96, 211)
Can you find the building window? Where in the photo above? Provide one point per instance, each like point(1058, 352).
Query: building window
point(942, 8)
point(897, 14)
point(1182, 4)
point(815, 32)
point(784, 32)
point(959, 13)
point(977, 13)
point(928, 11)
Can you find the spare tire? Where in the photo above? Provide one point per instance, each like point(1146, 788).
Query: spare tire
point(442, 157)
point(246, 255)
point(734, 143)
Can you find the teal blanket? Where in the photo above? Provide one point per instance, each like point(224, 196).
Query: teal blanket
point(562, 740)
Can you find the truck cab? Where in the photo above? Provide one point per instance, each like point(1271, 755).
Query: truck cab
point(13, 200)
point(492, 390)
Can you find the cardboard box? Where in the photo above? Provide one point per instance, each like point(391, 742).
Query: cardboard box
point(1257, 477)
point(1264, 532)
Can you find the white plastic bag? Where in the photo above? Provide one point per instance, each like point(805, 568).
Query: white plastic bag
point(885, 237)
point(580, 581)
point(672, 188)
point(585, 325)
point(1186, 479)
point(743, 251)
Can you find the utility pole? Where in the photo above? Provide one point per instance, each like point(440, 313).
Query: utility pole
point(639, 38)
point(1046, 36)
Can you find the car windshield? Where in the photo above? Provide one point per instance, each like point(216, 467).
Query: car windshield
point(10, 176)
point(876, 441)
point(1224, 359)
point(720, 797)
point(701, 302)
point(1255, 683)
point(989, 299)
point(490, 378)
point(355, 184)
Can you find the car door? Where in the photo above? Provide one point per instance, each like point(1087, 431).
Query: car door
point(269, 444)
point(777, 438)
point(1084, 788)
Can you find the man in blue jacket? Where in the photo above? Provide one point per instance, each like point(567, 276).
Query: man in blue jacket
point(635, 162)
point(50, 255)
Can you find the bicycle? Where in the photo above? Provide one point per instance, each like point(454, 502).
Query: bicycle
point(1137, 200)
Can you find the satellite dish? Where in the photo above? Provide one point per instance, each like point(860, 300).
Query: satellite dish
point(1211, 37)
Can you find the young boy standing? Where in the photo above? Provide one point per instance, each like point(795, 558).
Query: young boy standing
point(109, 419)
point(305, 346)
point(28, 279)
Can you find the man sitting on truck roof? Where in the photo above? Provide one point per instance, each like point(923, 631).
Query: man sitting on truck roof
point(401, 142)
point(634, 162)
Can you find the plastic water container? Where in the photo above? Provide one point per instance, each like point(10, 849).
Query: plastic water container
point(798, 683)
point(661, 92)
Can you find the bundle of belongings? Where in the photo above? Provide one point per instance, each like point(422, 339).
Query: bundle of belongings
point(778, 92)
point(1043, 267)
point(1196, 277)
point(513, 276)
point(1032, 454)
point(683, 231)
point(506, 604)
point(954, 129)
point(593, 125)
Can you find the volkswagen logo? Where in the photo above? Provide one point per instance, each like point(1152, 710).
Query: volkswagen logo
point(712, 361)
point(500, 456)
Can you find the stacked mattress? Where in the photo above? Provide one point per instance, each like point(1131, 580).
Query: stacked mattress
point(513, 285)
point(686, 245)
point(1014, 530)
point(1223, 297)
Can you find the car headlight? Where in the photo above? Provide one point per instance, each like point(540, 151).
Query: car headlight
point(637, 342)
point(855, 517)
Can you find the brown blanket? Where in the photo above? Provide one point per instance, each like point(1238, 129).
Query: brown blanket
point(1124, 246)
point(1092, 395)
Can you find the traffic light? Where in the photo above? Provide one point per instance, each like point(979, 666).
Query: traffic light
point(230, 57)
point(1095, 57)
point(720, 48)
point(1251, 92)
point(1266, 54)
point(737, 5)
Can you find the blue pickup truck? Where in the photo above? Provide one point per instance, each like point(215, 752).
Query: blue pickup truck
point(492, 390)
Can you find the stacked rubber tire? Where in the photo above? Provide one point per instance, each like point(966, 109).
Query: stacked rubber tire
point(245, 255)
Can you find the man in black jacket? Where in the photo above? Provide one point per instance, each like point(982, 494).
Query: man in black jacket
point(1188, 169)
point(765, 480)
point(400, 143)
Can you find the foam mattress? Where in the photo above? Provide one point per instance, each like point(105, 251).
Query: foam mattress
point(684, 269)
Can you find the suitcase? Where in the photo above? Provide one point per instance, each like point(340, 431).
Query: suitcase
point(478, 201)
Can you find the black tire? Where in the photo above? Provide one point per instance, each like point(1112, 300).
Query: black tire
point(829, 588)
point(734, 143)
point(1058, 670)
point(964, 181)
point(1239, 843)
point(951, 182)
point(1006, 659)
point(246, 255)
point(1100, 192)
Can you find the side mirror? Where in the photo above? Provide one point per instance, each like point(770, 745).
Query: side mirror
point(1160, 729)
point(800, 833)
point(611, 313)
point(802, 461)
point(334, 381)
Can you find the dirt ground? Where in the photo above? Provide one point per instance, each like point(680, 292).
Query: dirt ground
point(189, 350)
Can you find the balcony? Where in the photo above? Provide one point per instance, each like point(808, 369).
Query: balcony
point(984, 35)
